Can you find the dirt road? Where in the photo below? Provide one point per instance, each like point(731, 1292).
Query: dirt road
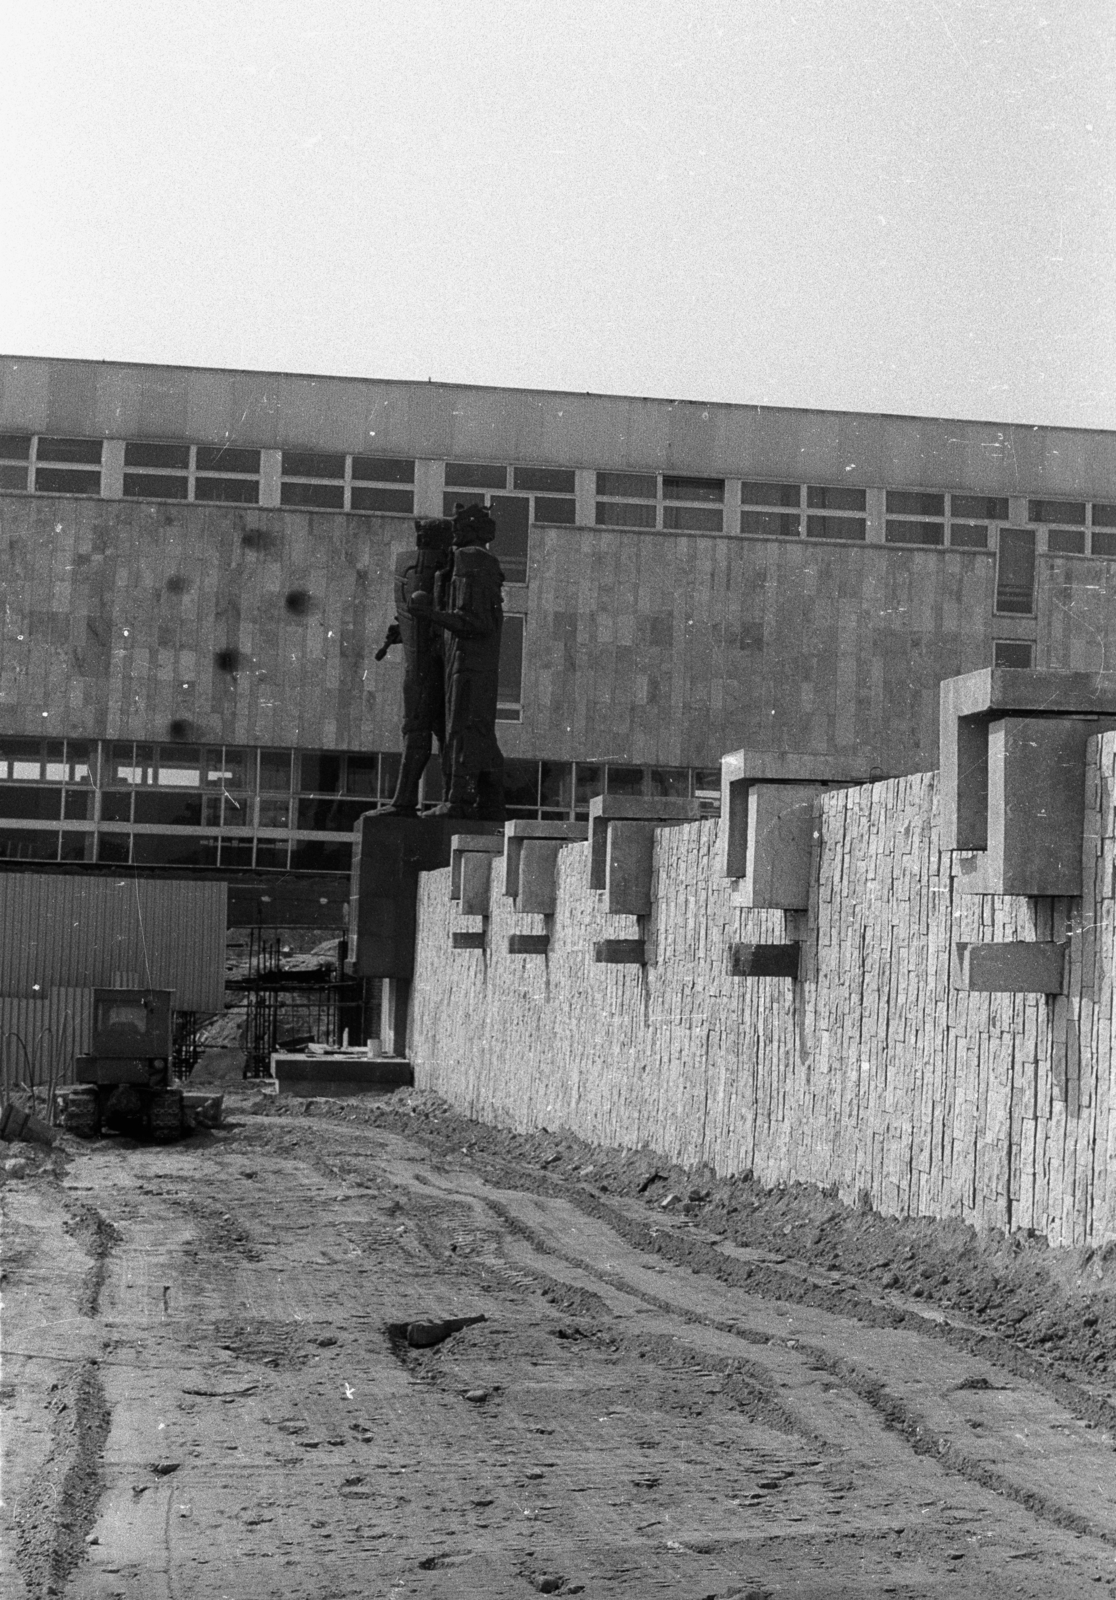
point(203, 1398)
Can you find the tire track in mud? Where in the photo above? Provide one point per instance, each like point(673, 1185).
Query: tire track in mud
point(97, 1237)
point(897, 1416)
point(62, 1498)
point(60, 1504)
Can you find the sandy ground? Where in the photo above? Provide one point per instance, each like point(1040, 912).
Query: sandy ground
point(680, 1387)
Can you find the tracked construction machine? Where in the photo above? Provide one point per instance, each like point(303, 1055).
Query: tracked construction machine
point(126, 1082)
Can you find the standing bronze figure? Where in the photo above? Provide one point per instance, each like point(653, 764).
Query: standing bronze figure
point(467, 607)
point(424, 711)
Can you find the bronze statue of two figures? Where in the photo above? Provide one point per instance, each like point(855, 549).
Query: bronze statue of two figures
point(448, 618)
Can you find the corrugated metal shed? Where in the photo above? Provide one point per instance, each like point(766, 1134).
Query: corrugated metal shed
point(63, 931)
point(39, 1037)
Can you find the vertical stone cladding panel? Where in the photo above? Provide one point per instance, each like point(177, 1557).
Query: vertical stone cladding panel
point(871, 1073)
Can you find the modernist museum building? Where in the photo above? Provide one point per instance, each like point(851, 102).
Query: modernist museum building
point(197, 573)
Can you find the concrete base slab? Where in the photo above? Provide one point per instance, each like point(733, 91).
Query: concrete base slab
point(335, 1076)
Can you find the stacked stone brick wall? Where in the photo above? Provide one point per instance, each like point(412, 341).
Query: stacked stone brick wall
point(871, 1074)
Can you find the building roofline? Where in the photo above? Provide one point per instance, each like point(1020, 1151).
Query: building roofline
point(572, 394)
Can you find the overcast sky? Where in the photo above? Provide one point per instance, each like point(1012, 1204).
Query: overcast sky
point(876, 205)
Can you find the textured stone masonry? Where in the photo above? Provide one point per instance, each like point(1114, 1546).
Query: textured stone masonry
point(872, 1073)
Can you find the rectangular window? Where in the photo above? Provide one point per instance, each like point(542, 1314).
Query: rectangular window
point(61, 480)
point(180, 767)
point(1015, 572)
point(167, 850)
point(621, 514)
point(86, 452)
point(321, 772)
point(625, 780)
point(236, 852)
point(548, 480)
point(628, 485)
point(512, 515)
point(915, 503)
point(383, 469)
point(521, 787)
point(1104, 516)
point(158, 456)
point(361, 775)
point(1066, 541)
point(697, 519)
point(13, 477)
point(31, 804)
point(835, 527)
point(1012, 653)
point(509, 691)
point(978, 507)
point(229, 491)
point(313, 496)
point(15, 447)
point(316, 855)
point(589, 782)
point(475, 475)
point(21, 760)
point(1055, 511)
point(275, 772)
point(968, 535)
point(450, 502)
point(391, 500)
point(332, 815)
point(155, 486)
point(163, 470)
point(301, 465)
point(40, 844)
point(677, 488)
point(227, 458)
point(312, 464)
point(556, 788)
point(670, 782)
point(77, 846)
point(904, 530)
point(771, 524)
point(820, 498)
point(274, 813)
point(168, 810)
point(116, 807)
point(1104, 541)
point(562, 512)
point(114, 847)
point(273, 853)
point(770, 494)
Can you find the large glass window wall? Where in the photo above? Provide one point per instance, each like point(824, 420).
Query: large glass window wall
point(128, 802)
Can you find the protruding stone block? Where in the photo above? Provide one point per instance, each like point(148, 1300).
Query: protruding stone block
point(1012, 968)
point(537, 840)
point(468, 939)
point(1012, 760)
point(604, 809)
point(476, 883)
point(629, 852)
point(528, 944)
point(781, 827)
point(531, 860)
point(742, 769)
point(764, 960)
point(620, 952)
point(463, 845)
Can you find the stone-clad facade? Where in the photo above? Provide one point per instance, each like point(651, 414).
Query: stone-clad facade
point(197, 573)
